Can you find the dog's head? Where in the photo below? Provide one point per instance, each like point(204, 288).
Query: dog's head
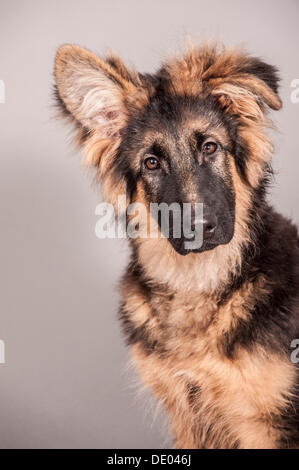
point(191, 133)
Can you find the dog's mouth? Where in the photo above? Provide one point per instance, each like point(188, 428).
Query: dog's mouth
point(203, 238)
point(182, 245)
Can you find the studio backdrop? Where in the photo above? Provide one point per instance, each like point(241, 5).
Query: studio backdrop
point(65, 373)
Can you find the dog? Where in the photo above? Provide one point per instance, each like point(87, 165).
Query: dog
point(210, 328)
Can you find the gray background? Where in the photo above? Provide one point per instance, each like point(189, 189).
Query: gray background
point(66, 382)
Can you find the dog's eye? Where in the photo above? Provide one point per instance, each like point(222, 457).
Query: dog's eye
point(209, 148)
point(151, 163)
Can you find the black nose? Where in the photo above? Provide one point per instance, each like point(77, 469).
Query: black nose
point(209, 224)
point(209, 227)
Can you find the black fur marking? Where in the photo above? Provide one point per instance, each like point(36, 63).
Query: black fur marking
point(193, 392)
point(141, 333)
point(137, 334)
point(271, 323)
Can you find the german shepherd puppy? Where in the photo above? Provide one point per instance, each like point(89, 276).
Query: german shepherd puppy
point(210, 329)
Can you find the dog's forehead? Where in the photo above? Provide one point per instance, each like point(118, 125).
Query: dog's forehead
point(171, 121)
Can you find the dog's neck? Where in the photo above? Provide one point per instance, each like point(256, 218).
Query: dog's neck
point(206, 272)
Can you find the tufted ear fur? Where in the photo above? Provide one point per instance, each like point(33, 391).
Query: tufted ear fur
point(90, 91)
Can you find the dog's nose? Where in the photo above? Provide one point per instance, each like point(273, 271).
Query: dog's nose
point(209, 224)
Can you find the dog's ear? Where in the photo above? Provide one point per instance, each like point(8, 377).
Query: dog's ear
point(265, 72)
point(244, 85)
point(96, 94)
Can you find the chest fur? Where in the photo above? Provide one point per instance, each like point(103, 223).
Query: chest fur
point(213, 400)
